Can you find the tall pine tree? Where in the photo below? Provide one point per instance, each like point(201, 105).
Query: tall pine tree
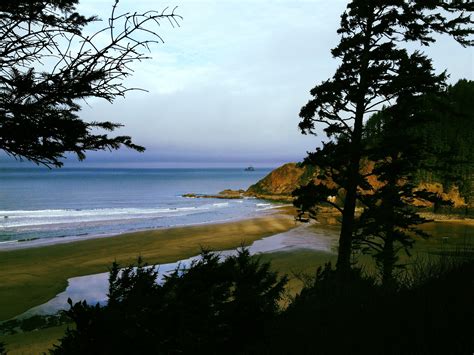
point(390, 217)
point(375, 70)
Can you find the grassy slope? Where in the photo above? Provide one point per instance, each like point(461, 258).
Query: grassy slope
point(33, 276)
point(36, 342)
point(299, 265)
point(296, 263)
point(293, 263)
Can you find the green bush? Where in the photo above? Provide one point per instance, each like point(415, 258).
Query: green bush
point(203, 309)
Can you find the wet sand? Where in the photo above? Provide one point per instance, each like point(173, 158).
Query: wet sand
point(33, 276)
point(30, 277)
point(308, 237)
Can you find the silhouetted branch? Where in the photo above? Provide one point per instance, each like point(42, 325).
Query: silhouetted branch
point(38, 107)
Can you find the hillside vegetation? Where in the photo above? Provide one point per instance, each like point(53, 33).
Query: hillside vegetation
point(447, 133)
point(450, 168)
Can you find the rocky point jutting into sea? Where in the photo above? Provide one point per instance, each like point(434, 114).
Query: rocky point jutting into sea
point(279, 184)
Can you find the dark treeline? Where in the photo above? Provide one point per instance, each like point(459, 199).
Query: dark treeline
point(376, 69)
point(212, 307)
point(448, 136)
point(231, 307)
point(430, 314)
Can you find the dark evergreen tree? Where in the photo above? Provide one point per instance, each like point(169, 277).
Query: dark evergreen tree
point(450, 135)
point(446, 135)
point(210, 306)
point(390, 217)
point(49, 63)
point(375, 69)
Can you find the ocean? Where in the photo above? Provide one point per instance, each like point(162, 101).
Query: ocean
point(75, 203)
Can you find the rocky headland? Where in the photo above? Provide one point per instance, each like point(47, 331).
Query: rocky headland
point(276, 186)
point(279, 184)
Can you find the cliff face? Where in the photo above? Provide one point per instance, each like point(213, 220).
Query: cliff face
point(452, 194)
point(282, 181)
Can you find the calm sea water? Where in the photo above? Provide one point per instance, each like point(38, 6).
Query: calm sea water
point(61, 203)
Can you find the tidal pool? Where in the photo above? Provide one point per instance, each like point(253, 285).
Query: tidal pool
point(94, 288)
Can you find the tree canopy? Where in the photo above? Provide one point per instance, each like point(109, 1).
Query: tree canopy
point(375, 69)
point(446, 136)
point(50, 63)
point(212, 305)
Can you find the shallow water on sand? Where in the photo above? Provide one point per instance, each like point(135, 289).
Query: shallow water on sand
point(93, 288)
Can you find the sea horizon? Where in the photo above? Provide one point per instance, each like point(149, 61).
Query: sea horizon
point(84, 202)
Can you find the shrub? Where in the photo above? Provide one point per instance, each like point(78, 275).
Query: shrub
point(211, 305)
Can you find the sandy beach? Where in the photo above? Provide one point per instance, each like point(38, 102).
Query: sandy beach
point(33, 276)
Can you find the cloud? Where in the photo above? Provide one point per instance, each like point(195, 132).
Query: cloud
point(230, 81)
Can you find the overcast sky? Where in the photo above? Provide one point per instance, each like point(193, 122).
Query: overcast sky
point(226, 87)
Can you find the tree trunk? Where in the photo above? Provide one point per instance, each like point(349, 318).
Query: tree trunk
point(343, 264)
point(388, 253)
point(388, 261)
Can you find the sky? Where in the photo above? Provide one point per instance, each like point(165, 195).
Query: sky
point(226, 87)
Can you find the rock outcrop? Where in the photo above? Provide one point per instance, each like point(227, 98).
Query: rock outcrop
point(281, 182)
point(226, 194)
point(276, 186)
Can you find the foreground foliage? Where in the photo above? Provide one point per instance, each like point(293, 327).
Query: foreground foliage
point(376, 69)
point(209, 307)
point(431, 314)
point(49, 62)
point(232, 307)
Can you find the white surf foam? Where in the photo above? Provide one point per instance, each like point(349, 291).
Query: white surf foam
point(25, 218)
